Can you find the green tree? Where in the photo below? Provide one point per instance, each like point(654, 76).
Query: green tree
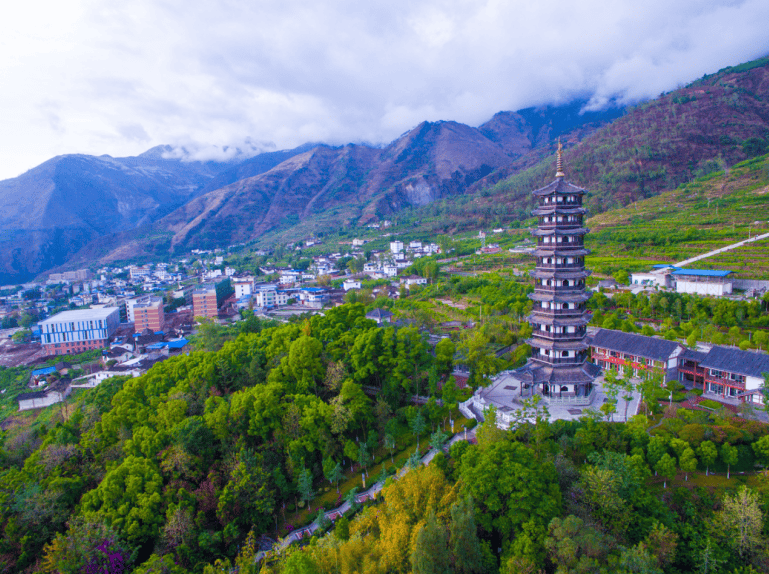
point(130, 499)
point(342, 529)
point(333, 472)
point(656, 449)
point(516, 494)
point(438, 440)
point(729, 456)
point(740, 522)
point(304, 487)
point(465, 545)
point(666, 466)
point(389, 444)
point(761, 448)
point(687, 462)
point(708, 454)
point(444, 355)
point(247, 499)
point(417, 424)
point(431, 551)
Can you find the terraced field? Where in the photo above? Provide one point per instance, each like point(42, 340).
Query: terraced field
point(708, 213)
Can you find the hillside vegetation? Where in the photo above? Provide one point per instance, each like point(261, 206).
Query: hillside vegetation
point(710, 212)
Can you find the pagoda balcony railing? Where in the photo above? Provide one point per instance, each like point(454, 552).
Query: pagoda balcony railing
point(559, 336)
point(559, 312)
point(542, 203)
point(563, 244)
point(560, 266)
point(559, 290)
point(560, 224)
point(559, 360)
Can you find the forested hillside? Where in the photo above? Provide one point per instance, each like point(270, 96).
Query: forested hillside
point(184, 468)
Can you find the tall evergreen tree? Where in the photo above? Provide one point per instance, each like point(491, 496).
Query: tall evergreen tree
point(465, 545)
point(431, 552)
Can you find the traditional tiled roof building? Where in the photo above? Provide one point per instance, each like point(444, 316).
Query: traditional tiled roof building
point(619, 351)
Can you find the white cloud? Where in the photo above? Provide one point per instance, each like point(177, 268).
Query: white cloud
point(104, 77)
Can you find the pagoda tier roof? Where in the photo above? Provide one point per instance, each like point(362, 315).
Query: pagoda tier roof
point(560, 273)
point(560, 297)
point(558, 320)
point(556, 344)
point(544, 231)
point(561, 187)
point(537, 373)
point(564, 209)
point(560, 249)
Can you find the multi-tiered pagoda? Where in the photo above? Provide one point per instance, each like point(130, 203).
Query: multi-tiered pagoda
point(558, 368)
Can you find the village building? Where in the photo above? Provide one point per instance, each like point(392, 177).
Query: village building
point(412, 280)
point(148, 313)
point(204, 302)
point(71, 332)
point(380, 316)
point(55, 393)
point(702, 281)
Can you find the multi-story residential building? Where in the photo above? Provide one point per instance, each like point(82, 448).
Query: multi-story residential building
point(204, 302)
point(620, 351)
point(71, 332)
point(148, 314)
point(243, 286)
point(266, 297)
point(396, 247)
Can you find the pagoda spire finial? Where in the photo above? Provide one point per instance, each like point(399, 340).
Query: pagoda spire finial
point(559, 162)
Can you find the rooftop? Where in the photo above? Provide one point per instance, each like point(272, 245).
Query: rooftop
point(701, 272)
point(736, 361)
point(81, 315)
point(640, 345)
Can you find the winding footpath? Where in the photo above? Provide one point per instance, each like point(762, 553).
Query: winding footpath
point(332, 515)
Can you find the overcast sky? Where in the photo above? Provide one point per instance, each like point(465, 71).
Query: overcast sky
point(108, 77)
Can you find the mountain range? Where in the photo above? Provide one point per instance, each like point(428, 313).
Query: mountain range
point(78, 209)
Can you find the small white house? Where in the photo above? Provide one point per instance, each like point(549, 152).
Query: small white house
point(412, 280)
point(351, 284)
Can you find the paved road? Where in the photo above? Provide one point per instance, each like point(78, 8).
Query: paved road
point(721, 250)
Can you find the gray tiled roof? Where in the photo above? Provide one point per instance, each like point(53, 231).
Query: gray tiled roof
point(736, 361)
point(640, 345)
point(691, 355)
point(28, 396)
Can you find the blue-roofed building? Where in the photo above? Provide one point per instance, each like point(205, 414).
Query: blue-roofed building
point(714, 282)
point(43, 372)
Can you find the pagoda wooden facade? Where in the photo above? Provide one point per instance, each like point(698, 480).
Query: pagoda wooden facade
point(558, 368)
